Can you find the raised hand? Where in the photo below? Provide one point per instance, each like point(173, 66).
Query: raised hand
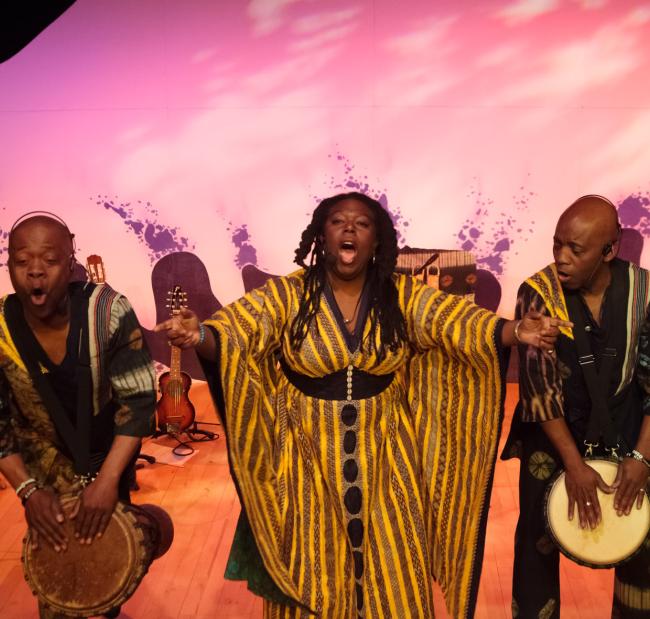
point(182, 329)
point(540, 330)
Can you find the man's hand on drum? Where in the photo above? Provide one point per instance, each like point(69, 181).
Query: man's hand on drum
point(540, 330)
point(582, 483)
point(630, 484)
point(94, 508)
point(45, 518)
point(182, 329)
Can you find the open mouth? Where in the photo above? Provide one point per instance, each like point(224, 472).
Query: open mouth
point(38, 296)
point(563, 275)
point(347, 252)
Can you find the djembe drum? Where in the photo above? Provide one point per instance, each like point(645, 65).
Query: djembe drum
point(87, 580)
point(615, 540)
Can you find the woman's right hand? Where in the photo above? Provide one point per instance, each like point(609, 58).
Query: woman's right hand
point(182, 329)
point(581, 483)
point(45, 518)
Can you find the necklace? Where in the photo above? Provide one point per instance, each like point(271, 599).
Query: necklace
point(347, 321)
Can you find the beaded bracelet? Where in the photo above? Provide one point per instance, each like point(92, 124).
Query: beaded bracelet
point(27, 482)
point(201, 334)
point(30, 491)
point(637, 455)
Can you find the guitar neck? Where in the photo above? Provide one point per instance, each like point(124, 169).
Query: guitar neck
point(175, 363)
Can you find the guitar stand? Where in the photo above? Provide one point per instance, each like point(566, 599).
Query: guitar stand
point(194, 429)
point(133, 483)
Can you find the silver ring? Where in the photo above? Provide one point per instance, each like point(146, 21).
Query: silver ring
point(588, 503)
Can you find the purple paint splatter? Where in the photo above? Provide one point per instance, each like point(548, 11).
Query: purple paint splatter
point(352, 182)
point(241, 239)
point(158, 238)
point(634, 212)
point(491, 237)
point(4, 250)
point(4, 243)
point(247, 254)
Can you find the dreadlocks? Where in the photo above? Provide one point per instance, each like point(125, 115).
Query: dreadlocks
point(384, 308)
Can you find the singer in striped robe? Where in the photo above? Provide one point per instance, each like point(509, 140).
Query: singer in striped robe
point(362, 411)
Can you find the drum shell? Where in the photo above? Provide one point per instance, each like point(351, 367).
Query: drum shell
point(89, 580)
point(552, 514)
point(162, 527)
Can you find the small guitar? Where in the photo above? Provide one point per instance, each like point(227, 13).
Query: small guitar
point(174, 409)
point(95, 269)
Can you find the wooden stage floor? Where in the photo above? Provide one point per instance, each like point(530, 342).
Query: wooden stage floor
point(188, 581)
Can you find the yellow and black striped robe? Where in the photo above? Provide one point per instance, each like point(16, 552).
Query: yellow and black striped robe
point(420, 453)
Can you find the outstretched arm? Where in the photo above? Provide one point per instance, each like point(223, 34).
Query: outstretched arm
point(534, 329)
point(185, 331)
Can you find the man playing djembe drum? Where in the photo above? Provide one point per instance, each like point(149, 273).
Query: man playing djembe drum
point(607, 299)
point(77, 388)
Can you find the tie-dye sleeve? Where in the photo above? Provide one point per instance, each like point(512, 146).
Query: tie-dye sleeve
point(540, 384)
point(131, 374)
point(8, 445)
point(643, 363)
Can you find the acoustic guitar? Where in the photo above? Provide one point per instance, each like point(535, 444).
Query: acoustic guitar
point(95, 269)
point(175, 411)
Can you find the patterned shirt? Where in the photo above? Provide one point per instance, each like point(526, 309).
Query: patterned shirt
point(553, 386)
point(123, 390)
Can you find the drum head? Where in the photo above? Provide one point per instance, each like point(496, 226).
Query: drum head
point(615, 539)
point(88, 580)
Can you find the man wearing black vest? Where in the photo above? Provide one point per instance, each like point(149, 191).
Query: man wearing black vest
point(607, 300)
point(77, 388)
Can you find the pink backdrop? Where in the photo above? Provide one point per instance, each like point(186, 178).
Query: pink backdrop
point(214, 127)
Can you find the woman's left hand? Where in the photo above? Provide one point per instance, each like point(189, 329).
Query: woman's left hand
point(181, 329)
point(539, 330)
